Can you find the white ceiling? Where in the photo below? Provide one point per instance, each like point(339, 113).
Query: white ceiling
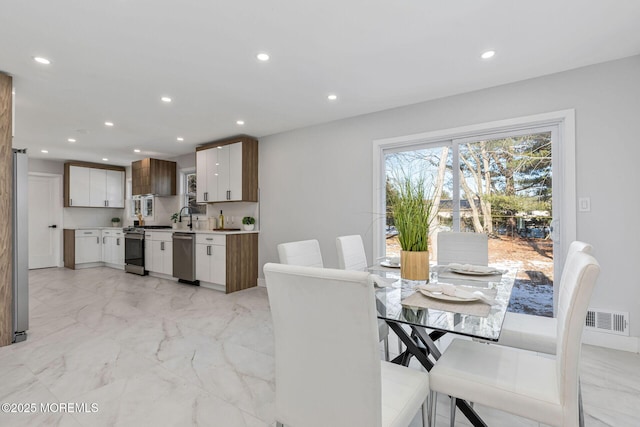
point(114, 59)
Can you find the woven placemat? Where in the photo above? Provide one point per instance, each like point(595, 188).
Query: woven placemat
point(472, 308)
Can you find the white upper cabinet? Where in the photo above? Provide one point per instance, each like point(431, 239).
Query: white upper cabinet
point(79, 186)
point(115, 189)
point(228, 172)
point(87, 186)
point(98, 183)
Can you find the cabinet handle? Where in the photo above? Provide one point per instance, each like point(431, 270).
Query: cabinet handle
point(228, 194)
point(118, 241)
point(98, 240)
point(162, 246)
point(70, 202)
point(206, 196)
point(208, 250)
point(103, 242)
point(87, 232)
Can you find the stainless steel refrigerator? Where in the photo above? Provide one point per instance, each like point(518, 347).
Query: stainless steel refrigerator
point(20, 245)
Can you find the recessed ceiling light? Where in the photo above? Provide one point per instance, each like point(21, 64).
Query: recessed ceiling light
point(108, 124)
point(71, 140)
point(41, 60)
point(240, 122)
point(44, 151)
point(136, 151)
point(332, 97)
point(166, 99)
point(104, 159)
point(180, 139)
point(263, 56)
point(488, 54)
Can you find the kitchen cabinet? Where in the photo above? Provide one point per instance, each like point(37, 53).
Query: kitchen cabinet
point(158, 252)
point(93, 185)
point(113, 247)
point(229, 261)
point(153, 176)
point(211, 258)
point(88, 246)
point(227, 170)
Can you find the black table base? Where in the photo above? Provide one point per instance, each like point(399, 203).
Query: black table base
point(424, 353)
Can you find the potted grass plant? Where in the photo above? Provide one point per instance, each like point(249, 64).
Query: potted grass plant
point(411, 206)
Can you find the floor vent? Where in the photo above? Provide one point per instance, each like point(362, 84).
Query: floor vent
point(608, 321)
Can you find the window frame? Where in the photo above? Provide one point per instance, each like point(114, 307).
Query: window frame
point(184, 194)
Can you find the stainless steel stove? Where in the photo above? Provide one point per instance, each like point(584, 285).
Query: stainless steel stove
point(134, 247)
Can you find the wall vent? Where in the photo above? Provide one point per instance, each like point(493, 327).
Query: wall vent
point(612, 322)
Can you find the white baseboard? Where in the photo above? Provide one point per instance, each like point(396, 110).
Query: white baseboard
point(262, 282)
point(616, 342)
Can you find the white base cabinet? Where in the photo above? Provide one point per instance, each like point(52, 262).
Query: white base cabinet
point(211, 258)
point(113, 247)
point(88, 247)
point(158, 252)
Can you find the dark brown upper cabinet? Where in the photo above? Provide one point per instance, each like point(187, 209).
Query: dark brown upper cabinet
point(153, 176)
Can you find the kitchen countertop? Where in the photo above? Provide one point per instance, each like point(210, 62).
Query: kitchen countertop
point(180, 230)
point(95, 228)
point(173, 230)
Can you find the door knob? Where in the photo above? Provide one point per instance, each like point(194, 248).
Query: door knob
point(53, 226)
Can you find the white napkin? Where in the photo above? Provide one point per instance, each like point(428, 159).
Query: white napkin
point(474, 268)
point(455, 291)
point(381, 282)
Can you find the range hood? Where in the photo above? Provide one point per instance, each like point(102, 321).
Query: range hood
point(153, 176)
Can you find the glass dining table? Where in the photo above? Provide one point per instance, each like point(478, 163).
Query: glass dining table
point(419, 317)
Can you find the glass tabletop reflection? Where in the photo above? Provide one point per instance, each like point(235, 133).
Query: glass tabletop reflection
point(393, 290)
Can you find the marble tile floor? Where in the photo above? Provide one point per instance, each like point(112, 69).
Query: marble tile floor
point(146, 351)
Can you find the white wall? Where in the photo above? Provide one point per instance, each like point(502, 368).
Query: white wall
point(316, 182)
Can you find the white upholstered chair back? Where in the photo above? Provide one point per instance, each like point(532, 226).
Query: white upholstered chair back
point(579, 278)
point(575, 246)
point(463, 248)
point(351, 254)
point(315, 313)
point(305, 253)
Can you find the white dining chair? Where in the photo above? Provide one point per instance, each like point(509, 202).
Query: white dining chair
point(536, 333)
point(315, 312)
point(462, 248)
point(351, 256)
point(304, 252)
point(520, 382)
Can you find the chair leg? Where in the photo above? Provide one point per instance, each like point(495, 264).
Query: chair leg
point(433, 398)
point(452, 414)
point(580, 409)
point(386, 348)
point(425, 414)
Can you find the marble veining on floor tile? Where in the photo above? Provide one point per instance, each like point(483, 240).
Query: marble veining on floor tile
point(151, 351)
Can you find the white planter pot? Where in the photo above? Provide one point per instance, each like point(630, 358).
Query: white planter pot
point(248, 227)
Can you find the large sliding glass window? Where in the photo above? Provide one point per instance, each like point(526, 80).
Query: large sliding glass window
point(499, 182)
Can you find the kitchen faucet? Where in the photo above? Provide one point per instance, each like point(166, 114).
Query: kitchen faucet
point(190, 225)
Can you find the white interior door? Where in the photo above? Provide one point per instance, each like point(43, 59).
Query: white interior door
point(45, 220)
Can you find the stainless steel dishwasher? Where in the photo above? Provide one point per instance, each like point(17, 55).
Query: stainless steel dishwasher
point(184, 258)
